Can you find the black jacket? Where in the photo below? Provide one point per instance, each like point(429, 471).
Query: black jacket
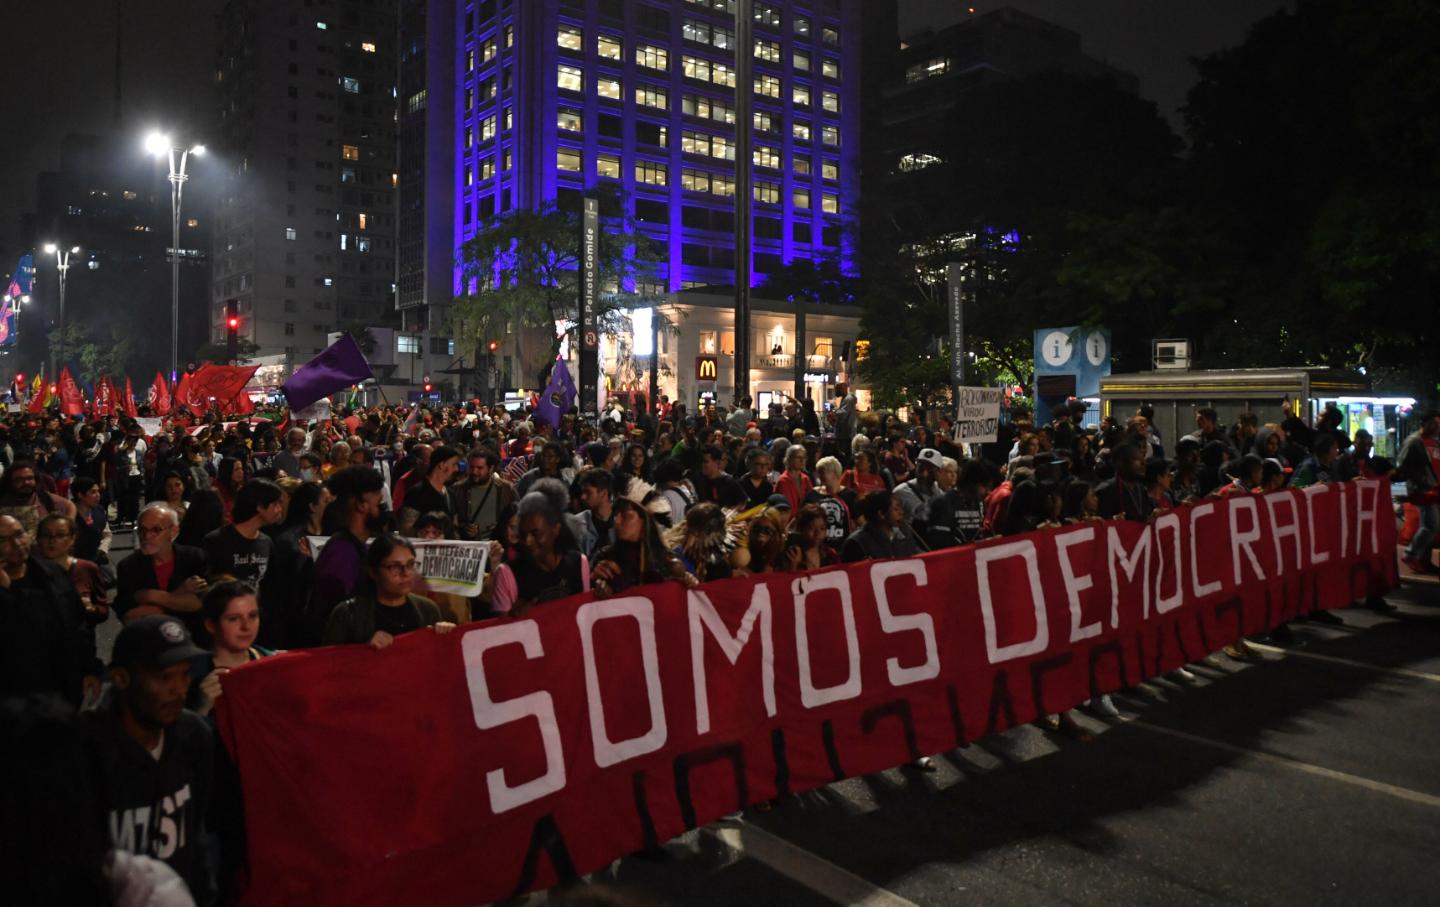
point(137, 572)
point(158, 807)
point(46, 645)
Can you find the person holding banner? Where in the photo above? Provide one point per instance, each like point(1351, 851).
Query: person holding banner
point(389, 609)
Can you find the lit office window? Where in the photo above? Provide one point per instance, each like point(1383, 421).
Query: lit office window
point(291, 233)
point(801, 61)
point(723, 75)
point(800, 96)
point(570, 78)
point(608, 88)
point(765, 156)
point(694, 181)
point(801, 130)
point(570, 119)
point(830, 135)
point(367, 46)
point(652, 172)
point(608, 166)
point(652, 57)
point(608, 47)
point(487, 167)
point(829, 203)
point(694, 30)
point(830, 69)
point(487, 50)
point(830, 35)
point(767, 86)
point(830, 100)
point(722, 147)
point(767, 15)
point(767, 193)
point(801, 165)
point(830, 170)
point(570, 37)
point(568, 159)
point(769, 51)
point(350, 152)
point(802, 26)
point(652, 96)
point(695, 68)
point(764, 121)
point(800, 198)
point(487, 128)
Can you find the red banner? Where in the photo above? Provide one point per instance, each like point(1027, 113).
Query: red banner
point(533, 748)
point(103, 403)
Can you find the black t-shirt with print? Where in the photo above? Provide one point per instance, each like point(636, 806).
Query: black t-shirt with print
point(837, 516)
point(230, 553)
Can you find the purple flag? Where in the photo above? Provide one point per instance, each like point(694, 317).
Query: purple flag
point(339, 366)
point(558, 397)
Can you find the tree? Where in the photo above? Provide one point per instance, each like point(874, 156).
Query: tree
point(1031, 184)
point(94, 355)
point(522, 273)
point(1315, 143)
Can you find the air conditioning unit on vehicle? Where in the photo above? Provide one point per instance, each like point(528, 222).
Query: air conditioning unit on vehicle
point(1171, 354)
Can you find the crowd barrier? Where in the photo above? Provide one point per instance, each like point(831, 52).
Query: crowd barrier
point(485, 763)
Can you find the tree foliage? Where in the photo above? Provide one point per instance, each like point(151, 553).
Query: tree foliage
point(521, 271)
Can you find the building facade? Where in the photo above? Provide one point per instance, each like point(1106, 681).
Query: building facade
point(112, 200)
point(635, 99)
point(305, 224)
point(694, 335)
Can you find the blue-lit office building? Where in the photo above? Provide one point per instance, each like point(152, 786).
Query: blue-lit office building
point(556, 97)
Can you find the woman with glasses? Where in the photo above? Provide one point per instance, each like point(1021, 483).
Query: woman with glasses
point(56, 535)
point(386, 608)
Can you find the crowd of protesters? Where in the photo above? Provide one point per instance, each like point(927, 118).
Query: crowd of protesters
point(222, 570)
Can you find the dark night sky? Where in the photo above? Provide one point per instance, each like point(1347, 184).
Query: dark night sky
point(58, 76)
point(58, 67)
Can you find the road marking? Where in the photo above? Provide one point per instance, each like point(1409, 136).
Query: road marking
point(1379, 669)
point(796, 863)
point(1379, 787)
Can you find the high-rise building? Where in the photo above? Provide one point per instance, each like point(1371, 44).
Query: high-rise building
point(112, 200)
point(425, 241)
point(305, 227)
point(637, 98)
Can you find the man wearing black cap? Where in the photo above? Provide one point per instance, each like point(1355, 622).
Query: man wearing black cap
point(157, 757)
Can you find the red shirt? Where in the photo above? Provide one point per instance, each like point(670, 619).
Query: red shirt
point(163, 572)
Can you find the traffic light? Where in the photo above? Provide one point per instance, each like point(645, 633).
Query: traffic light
point(232, 330)
point(494, 346)
point(428, 386)
point(19, 377)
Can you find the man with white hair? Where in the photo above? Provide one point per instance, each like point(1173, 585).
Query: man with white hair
point(829, 497)
point(161, 577)
point(288, 460)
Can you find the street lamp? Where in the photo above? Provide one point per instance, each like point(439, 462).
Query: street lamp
point(159, 145)
point(62, 265)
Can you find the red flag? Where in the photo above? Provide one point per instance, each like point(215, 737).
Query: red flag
point(104, 402)
point(221, 383)
point(128, 401)
point(72, 401)
point(159, 399)
point(37, 401)
point(184, 400)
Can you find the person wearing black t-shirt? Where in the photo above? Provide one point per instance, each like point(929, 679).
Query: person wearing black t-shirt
point(826, 496)
point(241, 549)
point(376, 617)
point(756, 483)
point(432, 495)
point(714, 484)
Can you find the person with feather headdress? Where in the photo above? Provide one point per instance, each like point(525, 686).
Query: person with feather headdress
point(637, 555)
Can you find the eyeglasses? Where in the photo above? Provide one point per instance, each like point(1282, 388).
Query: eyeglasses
point(400, 569)
point(149, 530)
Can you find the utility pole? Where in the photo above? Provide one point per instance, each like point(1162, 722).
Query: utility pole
point(589, 299)
point(744, 128)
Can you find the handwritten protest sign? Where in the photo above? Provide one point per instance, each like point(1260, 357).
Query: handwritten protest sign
point(978, 419)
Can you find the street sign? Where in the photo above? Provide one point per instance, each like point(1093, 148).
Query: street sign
point(589, 303)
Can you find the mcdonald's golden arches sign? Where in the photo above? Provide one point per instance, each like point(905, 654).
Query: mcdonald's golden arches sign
point(707, 368)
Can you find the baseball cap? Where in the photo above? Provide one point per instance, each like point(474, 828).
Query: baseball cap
point(778, 501)
point(932, 457)
point(157, 640)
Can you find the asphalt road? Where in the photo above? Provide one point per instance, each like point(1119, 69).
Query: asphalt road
point(1309, 776)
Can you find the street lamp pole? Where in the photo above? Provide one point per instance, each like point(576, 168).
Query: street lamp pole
point(160, 145)
point(62, 265)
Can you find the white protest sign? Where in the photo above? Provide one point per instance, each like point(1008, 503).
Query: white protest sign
point(318, 411)
point(978, 418)
point(446, 566)
point(151, 427)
